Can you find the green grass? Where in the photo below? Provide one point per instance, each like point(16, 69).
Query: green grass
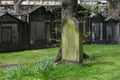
point(26, 56)
point(104, 63)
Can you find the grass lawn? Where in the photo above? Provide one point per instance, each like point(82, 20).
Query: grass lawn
point(104, 63)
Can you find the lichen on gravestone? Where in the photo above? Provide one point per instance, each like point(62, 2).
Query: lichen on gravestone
point(71, 41)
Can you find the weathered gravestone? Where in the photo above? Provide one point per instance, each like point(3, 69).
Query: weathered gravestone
point(72, 44)
point(72, 47)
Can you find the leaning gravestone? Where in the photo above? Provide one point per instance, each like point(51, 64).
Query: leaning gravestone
point(72, 44)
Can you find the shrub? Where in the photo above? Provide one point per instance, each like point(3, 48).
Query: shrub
point(44, 69)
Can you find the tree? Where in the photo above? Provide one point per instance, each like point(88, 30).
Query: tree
point(113, 9)
point(113, 3)
point(0, 2)
point(67, 9)
point(17, 4)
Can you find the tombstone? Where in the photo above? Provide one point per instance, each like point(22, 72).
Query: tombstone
point(40, 21)
point(72, 33)
point(13, 33)
point(118, 32)
point(97, 28)
point(72, 36)
point(111, 30)
point(72, 42)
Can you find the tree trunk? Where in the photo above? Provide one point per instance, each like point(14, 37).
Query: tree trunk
point(113, 9)
point(0, 2)
point(16, 9)
point(17, 4)
point(67, 9)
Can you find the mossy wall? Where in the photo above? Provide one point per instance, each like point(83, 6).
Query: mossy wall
point(70, 42)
